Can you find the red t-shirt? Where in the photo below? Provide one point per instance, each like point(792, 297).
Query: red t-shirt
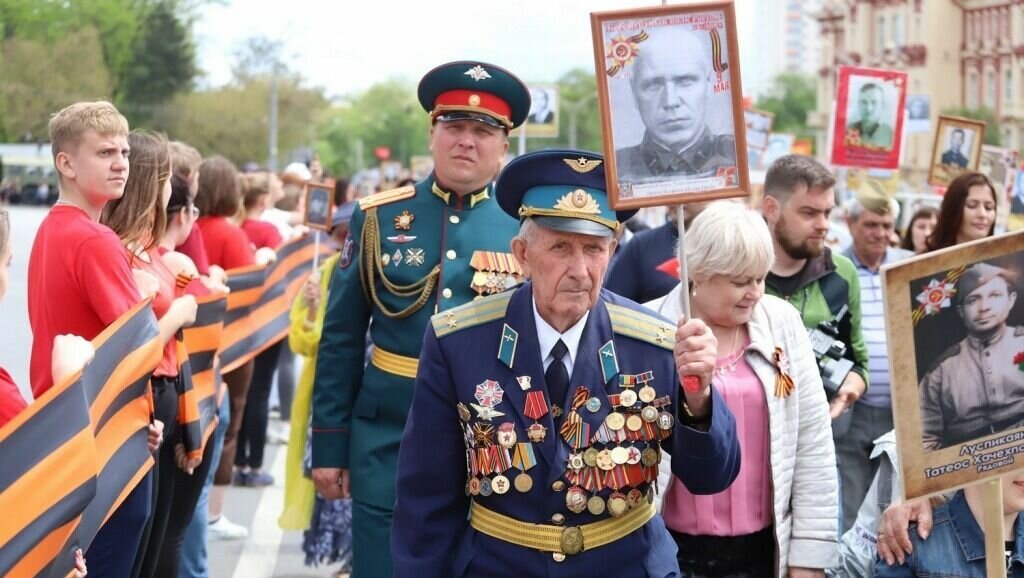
point(11, 400)
point(262, 234)
point(195, 249)
point(161, 303)
point(79, 282)
point(226, 244)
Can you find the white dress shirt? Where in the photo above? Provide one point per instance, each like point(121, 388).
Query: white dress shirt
point(548, 336)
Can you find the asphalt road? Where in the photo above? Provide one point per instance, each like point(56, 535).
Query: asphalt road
point(268, 552)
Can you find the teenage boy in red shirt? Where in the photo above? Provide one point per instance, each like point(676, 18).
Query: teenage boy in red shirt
point(80, 281)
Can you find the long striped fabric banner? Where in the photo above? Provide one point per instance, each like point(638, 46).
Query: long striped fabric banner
point(261, 299)
point(201, 340)
point(72, 457)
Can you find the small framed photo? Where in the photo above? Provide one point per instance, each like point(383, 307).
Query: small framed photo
point(319, 206)
point(759, 126)
point(668, 83)
point(869, 117)
point(957, 149)
point(955, 326)
point(919, 113)
point(542, 120)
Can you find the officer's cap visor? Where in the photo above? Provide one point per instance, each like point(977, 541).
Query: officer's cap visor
point(578, 226)
point(453, 115)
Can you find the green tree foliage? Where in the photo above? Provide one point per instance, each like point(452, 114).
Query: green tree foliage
point(790, 98)
point(163, 63)
point(40, 79)
point(983, 114)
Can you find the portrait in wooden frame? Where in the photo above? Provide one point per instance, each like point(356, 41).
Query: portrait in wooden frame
point(319, 206)
point(671, 102)
point(956, 150)
point(955, 329)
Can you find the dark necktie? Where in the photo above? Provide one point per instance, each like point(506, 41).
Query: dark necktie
point(557, 376)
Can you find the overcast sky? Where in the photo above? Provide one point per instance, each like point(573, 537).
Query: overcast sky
point(348, 46)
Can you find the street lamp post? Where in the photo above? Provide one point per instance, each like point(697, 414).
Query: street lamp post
point(573, 108)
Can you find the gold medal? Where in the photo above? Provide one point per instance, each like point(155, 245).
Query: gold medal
point(576, 462)
point(500, 484)
point(617, 505)
point(615, 421)
point(620, 455)
point(634, 423)
point(523, 482)
point(595, 505)
point(627, 398)
point(474, 486)
point(650, 414)
point(649, 457)
point(590, 457)
point(647, 394)
point(605, 461)
point(634, 498)
point(576, 499)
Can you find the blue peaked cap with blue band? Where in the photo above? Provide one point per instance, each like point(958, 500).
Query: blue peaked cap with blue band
point(562, 190)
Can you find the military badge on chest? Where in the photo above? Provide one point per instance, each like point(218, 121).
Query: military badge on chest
point(495, 272)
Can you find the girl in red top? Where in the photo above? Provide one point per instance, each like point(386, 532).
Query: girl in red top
point(256, 198)
point(139, 218)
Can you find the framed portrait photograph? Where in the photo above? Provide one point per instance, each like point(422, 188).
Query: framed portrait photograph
point(957, 149)
point(759, 126)
point(869, 117)
point(919, 114)
point(668, 83)
point(319, 206)
point(955, 326)
point(542, 120)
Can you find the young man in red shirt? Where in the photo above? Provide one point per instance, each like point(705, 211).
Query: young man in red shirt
point(80, 282)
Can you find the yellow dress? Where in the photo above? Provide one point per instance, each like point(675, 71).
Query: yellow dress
point(299, 493)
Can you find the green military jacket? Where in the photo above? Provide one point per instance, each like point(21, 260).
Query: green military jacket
point(411, 252)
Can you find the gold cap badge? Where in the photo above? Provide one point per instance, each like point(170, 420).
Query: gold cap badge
point(582, 165)
point(578, 201)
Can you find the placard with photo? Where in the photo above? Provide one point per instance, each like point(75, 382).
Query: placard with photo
point(319, 206)
point(869, 117)
point(957, 149)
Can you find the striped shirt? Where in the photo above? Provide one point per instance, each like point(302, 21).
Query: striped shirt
point(872, 321)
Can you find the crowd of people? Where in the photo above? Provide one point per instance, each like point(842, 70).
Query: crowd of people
point(495, 379)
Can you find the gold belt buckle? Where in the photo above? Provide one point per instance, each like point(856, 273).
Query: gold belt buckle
point(572, 541)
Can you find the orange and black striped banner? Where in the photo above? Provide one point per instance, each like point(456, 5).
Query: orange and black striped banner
point(71, 458)
point(261, 299)
point(199, 373)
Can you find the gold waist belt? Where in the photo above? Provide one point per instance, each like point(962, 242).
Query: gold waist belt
point(567, 540)
point(394, 363)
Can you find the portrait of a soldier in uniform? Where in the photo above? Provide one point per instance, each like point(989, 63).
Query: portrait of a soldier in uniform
point(670, 102)
point(972, 370)
point(872, 115)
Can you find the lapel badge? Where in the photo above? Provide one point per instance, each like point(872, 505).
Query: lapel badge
point(413, 256)
point(489, 393)
point(463, 411)
point(385, 259)
point(486, 413)
point(402, 238)
point(783, 382)
point(536, 433)
point(396, 258)
point(477, 73)
point(483, 433)
point(507, 435)
point(609, 363)
point(404, 221)
point(507, 348)
point(524, 382)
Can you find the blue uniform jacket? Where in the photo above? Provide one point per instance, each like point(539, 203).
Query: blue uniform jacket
point(431, 535)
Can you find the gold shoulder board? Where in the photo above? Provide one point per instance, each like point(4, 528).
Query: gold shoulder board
point(471, 314)
point(387, 197)
point(642, 326)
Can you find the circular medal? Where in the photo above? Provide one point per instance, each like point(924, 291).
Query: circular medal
point(634, 498)
point(590, 457)
point(666, 421)
point(617, 505)
point(595, 505)
point(480, 279)
point(604, 460)
point(576, 462)
point(615, 421)
point(649, 457)
point(647, 394)
point(485, 487)
point(500, 485)
point(536, 433)
point(634, 423)
point(627, 398)
point(650, 414)
point(507, 435)
point(576, 499)
point(634, 455)
point(594, 404)
point(474, 486)
point(523, 482)
point(620, 455)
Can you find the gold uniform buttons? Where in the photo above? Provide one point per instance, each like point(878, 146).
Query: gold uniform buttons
point(450, 254)
point(447, 293)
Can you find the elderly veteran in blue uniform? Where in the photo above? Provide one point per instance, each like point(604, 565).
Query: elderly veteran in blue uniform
point(411, 252)
point(540, 414)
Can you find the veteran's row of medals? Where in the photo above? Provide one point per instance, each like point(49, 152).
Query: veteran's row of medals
point(607, 458)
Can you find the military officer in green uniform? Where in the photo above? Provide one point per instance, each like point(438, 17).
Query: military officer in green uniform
point(977, 386)
point(671, 85)
point(411, 252)
point(871, 131)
